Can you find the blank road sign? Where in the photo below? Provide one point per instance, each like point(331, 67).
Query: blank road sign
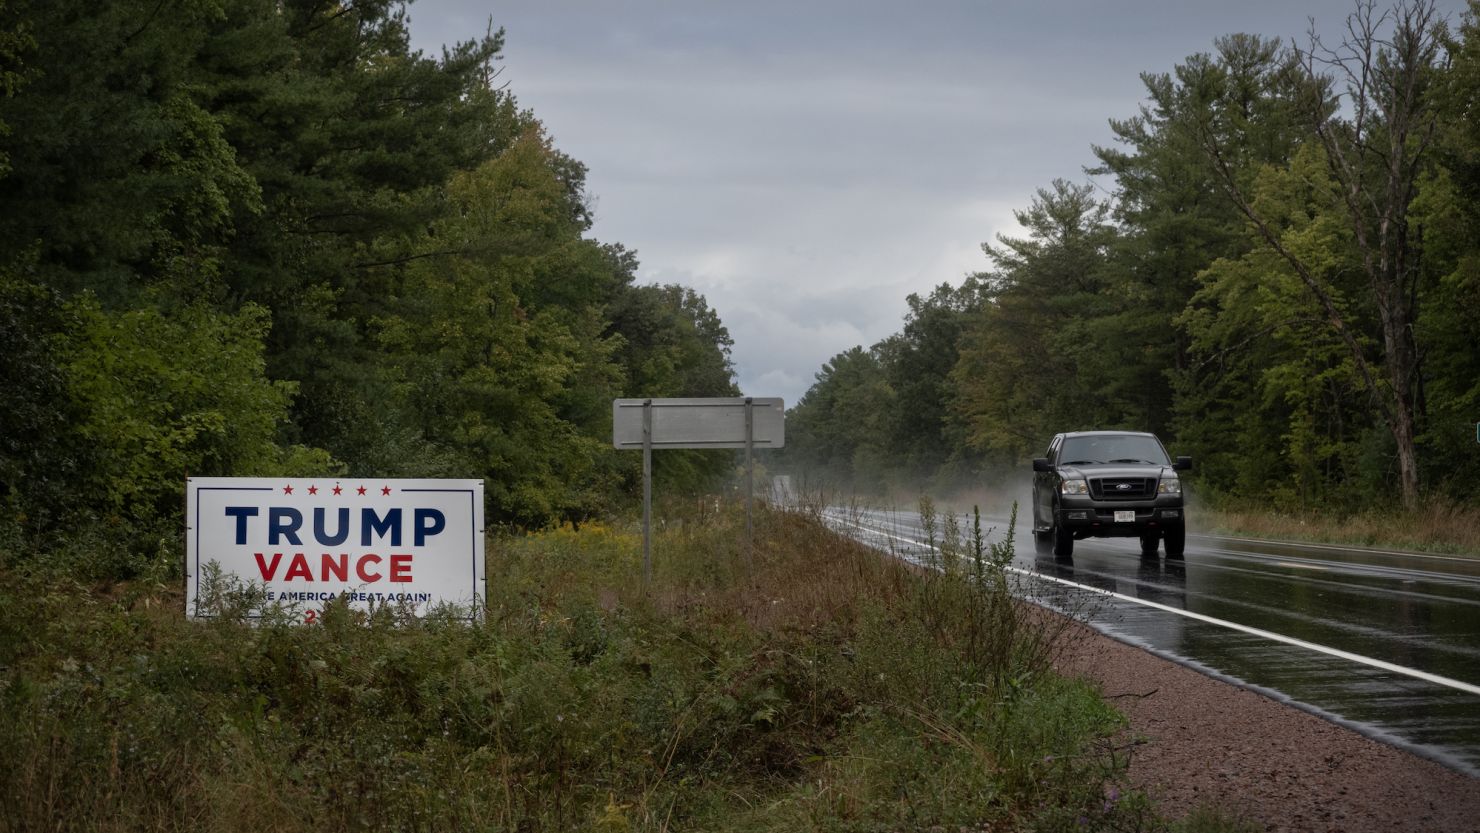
point(700, 423)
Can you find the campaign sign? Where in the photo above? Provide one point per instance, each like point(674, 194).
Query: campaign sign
point(413, 544)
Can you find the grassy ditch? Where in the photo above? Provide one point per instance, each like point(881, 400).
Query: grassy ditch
point(1438, 526)
point(824, 688)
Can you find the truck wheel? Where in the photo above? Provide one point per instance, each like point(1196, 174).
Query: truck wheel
point(1063, 541)
point(1149, 541)
point(1176, 539)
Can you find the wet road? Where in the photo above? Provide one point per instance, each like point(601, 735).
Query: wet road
point(1388, 643)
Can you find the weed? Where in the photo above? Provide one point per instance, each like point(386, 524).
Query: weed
point(1207, 819)
point(826, 687)
point(1438, 526)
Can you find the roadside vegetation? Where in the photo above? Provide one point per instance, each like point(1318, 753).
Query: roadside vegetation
point(262, 238)
point(1441, 526)
point(828, 687)
point(1276, 270)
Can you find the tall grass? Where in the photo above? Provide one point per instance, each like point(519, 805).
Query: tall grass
point(826, 687)
point(1437, 526)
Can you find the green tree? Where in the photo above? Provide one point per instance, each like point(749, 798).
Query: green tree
point(41, 459)
point(121, 181)
point(166, 396)
point(840, 426)
point(15, 41)
point(1370, 102)
point(1028, 358)
point(1299, 431)
point(922, 434)
point(1174, 225)
point(237, 231)
point(353, 138)
point(672, 344)
point(480, 351)
point(1447, 209)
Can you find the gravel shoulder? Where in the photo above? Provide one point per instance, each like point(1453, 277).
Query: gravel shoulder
point(1208, 742)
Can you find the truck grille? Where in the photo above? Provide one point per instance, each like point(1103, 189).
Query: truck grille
point(1122, 488)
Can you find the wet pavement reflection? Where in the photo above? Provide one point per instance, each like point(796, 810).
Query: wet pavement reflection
point(1416, 611)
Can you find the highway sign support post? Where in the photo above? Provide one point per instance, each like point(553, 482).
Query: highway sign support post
point(647, 493)
point(749, 478)
point(749, 422)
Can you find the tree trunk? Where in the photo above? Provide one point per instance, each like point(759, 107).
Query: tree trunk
point(1402, 355)
point(1387, 81)
point(1403, 433)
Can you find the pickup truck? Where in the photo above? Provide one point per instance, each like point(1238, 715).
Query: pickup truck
point(1108, 484)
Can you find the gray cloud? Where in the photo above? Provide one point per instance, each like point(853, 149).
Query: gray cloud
point(806, 165)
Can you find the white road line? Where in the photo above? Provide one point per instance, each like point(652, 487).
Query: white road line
point(1305, 545)
point(1263, 634)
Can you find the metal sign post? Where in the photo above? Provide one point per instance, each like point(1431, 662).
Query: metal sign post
point(647, 494)
point(749, 479)
point(750, 422)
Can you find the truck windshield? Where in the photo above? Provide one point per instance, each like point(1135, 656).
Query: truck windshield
point(1112, 448)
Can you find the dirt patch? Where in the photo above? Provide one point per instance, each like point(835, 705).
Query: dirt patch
point(1207, 742)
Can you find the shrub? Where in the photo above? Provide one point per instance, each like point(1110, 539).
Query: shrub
point(828, 687)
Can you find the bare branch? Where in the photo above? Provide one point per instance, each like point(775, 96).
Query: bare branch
point(1253, 337)
point(1328, 304)
point(396, 261)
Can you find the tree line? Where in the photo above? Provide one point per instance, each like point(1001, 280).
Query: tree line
point(267, 237)
point(1283, 280)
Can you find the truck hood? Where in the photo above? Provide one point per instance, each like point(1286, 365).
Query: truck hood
point(1117, 470)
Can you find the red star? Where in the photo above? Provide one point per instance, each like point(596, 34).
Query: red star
point(385, 490)
point(337, 490)
point(361, 490)
point(313, 490)
point(287, 490)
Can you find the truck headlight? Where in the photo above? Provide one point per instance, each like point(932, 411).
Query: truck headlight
point(1169, 486)
point(1076, 486)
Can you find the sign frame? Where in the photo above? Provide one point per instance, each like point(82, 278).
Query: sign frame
point(697, 423)
point(415, 543)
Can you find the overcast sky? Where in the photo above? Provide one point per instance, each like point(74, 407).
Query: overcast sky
point(807, 165)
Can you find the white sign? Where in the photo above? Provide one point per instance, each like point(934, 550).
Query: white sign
point(413, 544)
point(748, 422)
point(700, 423)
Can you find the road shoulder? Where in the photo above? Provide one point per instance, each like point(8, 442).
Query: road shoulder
point(1208, 742)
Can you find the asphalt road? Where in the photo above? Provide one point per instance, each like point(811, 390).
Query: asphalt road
point(1385, 642)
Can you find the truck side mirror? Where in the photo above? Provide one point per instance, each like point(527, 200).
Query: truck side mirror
point(1183, 464)
point(1041, 464)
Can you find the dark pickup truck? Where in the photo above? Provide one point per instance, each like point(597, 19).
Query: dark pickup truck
point(1108, 484)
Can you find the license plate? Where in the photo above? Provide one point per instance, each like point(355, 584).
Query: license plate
point(1125, 517)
